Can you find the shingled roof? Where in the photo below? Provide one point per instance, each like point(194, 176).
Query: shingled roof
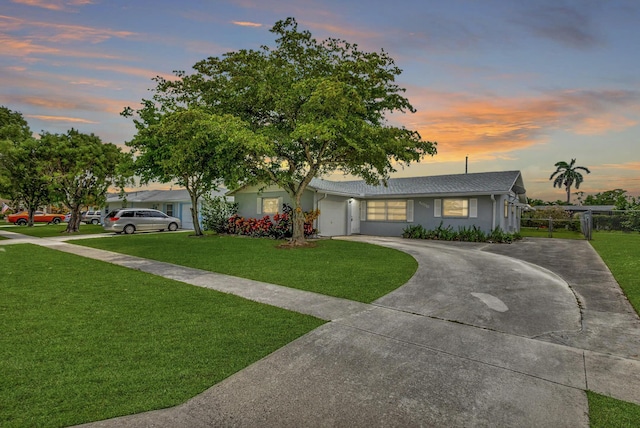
point(482, 183)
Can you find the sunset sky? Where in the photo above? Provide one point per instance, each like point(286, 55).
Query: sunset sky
point(515, 85)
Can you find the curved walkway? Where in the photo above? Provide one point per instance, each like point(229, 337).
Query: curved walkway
point(475, 338)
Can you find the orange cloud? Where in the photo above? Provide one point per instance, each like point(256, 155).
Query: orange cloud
point(494, 127)
point(633, 166)
point(59, 118)
point(48, 32)
point(246, 24)
point(53, 5)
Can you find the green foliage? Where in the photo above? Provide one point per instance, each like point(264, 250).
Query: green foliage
point(81, 168)
point(191, 147)
point(471, 234)
point(216, 212)
point(84, 340)
point(22, 164)
point(566, 174)
point(319, 106)
point(616, 197)
point(13, 126)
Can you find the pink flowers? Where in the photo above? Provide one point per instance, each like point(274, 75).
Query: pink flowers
point(278, 228)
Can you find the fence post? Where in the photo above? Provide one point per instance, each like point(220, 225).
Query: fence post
point(550, 227)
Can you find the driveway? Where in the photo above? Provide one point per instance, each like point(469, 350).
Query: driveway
point(475, 338)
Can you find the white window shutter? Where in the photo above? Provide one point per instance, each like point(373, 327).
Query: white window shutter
point(259, 211)
point(363, 210)
point(280, 201)
point(473, 208)
point(437, 207)
point(409, 211)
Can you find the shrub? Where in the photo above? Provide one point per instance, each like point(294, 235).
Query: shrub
point(216, 211)
point(280, 227)
point(472, 234)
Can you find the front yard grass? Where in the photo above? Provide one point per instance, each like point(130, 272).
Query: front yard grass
point(82, 340)
point(607, 412)
point(351, 270)
point(621, 252)
point(52, 230)
point(532, 232)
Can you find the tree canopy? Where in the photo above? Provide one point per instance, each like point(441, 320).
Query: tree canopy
point(81, 169)
point(319, 107)
point(192, 148)
point(566, 174)
point(22, 163)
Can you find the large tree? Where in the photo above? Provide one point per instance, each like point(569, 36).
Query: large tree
point(22, 163)
point(192, 148)
point(566, 174)
point(82, 168)
point(321, 106)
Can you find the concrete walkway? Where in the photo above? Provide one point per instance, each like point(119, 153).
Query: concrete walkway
point(482, 335)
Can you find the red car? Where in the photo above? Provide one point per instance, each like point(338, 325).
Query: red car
point(22, 218)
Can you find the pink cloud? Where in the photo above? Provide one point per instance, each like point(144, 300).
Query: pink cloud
point(493, 127)
point(246, 24)
point(59, 118)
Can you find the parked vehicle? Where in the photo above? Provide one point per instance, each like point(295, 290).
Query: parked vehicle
point(130, 220)
point(91, 217)
point(22, 218)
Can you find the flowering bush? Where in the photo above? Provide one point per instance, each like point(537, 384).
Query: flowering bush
point(277, 228)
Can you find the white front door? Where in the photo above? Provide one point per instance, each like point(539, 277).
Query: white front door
point(354, 216)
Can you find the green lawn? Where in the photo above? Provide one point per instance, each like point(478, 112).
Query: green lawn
point(82, 340)
point(533, 232)
point(351, 270)
point(607, 412)
point(621, 252)
point(51, 230)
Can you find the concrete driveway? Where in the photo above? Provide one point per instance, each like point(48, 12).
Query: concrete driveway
point(475, 338)
point(482, 335)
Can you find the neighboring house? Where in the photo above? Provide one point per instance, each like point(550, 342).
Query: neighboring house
point(485, 200)
point(176, 203)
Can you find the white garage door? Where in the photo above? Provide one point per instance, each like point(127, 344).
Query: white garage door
point(185, 216)
point(333, 218)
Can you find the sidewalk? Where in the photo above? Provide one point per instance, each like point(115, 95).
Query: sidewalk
point(428, 354)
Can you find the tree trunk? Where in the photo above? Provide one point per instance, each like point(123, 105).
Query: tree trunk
point(194, 214)
point(297, 237)
point(32, 211)
point(74, 222)
point(568, 194)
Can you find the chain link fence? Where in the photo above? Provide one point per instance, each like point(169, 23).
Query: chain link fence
point(586, 223)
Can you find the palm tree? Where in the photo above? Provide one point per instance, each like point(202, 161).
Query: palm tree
point(566, 175)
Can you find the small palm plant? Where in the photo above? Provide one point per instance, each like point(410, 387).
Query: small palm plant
point(566, 174)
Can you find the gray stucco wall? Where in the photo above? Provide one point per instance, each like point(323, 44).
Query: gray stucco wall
point(248, 201)
point(423, 214)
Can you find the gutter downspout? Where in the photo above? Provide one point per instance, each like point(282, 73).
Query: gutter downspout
point(493, 213)
point(317, 226)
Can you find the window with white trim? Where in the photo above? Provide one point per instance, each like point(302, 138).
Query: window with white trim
point(270, 206)
point(387, 210)
point(455, 207)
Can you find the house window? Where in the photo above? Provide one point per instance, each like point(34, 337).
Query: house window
point(455, 208)
point(393, 210)
point(169, 210)
point(270, 205)
point(506, 208)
